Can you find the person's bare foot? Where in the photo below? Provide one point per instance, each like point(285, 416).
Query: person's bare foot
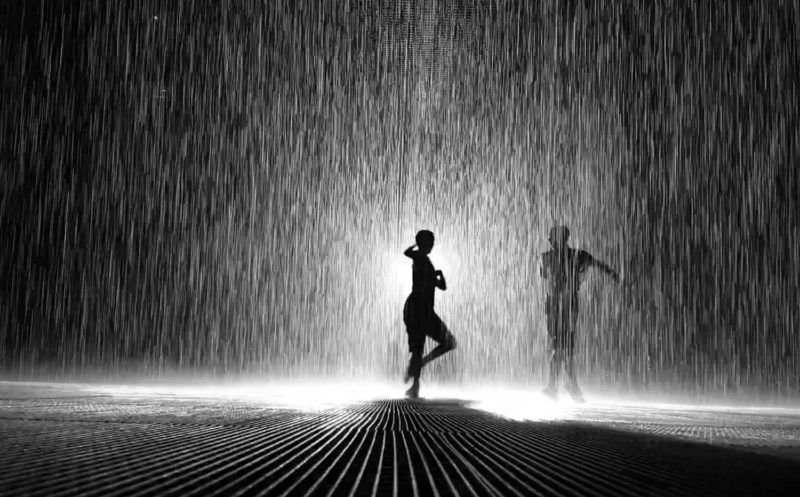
point(413, 392)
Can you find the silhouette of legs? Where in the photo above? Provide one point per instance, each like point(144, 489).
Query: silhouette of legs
point(556, 359)
point(572, 382)
point(415, 366)
point(561, 320)
point(422, 323)
point(413, 317)
point(562, 355)
point(447, 343)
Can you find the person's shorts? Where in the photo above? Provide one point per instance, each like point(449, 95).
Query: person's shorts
point(421, 321)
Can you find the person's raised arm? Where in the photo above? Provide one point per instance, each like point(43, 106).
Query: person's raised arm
point(602, 266)
point(440, 281)
point(410, 252)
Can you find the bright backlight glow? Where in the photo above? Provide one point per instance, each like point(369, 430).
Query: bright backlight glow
point(312, 396)
point(520, 403)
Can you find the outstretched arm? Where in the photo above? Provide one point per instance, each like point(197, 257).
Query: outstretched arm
point(440, 282)
point(410, 251)
point(602, 266)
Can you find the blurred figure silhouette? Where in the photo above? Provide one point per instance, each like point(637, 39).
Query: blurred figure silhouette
point(562, 268)
point(418, 315)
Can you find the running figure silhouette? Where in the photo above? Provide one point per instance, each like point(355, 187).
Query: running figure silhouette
point(562, 268)
point(418, 315)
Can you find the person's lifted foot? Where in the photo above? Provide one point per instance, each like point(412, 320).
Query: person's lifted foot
point(413, 392)
point(550, 393)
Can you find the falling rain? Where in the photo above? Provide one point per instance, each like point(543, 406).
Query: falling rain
point(227, 189)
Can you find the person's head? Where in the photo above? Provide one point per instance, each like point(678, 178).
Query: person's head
point(425, 241)
point(559, 236)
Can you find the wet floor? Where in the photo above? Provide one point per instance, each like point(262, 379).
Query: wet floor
point(304, 440)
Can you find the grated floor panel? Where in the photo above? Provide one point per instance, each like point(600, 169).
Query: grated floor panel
point(71, 443)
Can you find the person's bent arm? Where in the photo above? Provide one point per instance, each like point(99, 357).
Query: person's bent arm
point(440, 281)
point(410, 251)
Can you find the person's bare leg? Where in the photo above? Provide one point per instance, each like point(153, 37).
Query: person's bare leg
point(441, 349)
point(556, 358)
point(414, 371)
point(572, 381)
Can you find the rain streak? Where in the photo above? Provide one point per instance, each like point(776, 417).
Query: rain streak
point(227, 189)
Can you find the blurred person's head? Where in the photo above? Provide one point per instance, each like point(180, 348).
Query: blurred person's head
point(558, 237)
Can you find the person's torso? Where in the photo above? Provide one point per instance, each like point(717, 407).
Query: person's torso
point(564, 270)
point(423, 280)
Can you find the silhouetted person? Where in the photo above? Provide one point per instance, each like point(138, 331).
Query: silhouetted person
point(562, 268)
point(418, 315)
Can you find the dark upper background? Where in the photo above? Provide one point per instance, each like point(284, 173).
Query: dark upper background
point(224, 186)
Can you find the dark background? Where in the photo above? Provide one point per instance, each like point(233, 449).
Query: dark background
point(226, 187)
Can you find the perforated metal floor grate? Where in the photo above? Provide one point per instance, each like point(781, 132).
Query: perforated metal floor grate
point(106, 446)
